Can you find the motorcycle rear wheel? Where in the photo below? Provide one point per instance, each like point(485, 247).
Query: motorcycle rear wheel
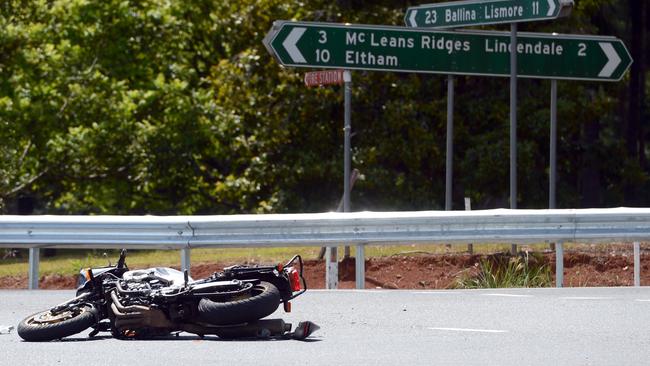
point(45, 326)
point(263, 301)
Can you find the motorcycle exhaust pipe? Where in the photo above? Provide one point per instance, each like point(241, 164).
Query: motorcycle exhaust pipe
point(139, 316)
point(126, 309)
point(264, 328)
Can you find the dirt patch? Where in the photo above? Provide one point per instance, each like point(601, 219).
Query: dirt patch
point(425, 271)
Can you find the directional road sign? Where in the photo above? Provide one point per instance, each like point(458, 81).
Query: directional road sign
point(482, 12)
point(402, 49)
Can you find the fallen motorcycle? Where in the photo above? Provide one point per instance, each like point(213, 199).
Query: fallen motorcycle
point(160, 301)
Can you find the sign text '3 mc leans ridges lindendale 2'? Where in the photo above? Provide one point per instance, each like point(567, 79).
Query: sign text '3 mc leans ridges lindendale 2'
point(401, 49)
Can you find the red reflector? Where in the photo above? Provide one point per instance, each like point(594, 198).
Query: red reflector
point(294, 279)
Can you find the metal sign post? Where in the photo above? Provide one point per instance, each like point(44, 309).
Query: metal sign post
point(331, 255)
point(484, 12)
point(513, 123)
point(552, 181)
point(347, 129)
point(450, 143)
point(552, 174)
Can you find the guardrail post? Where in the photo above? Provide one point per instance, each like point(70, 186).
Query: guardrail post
point(468, 207)
point(331, 268)
point(185, 259)
point(637, 264)
point(34, 254)
point(559, 264)
point(360, 267)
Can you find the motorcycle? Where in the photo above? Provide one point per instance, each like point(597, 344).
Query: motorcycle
point(161, 301)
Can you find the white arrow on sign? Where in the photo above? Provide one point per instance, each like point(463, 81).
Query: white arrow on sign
point(289, 44)
point(551, 8)
point(613, 60)
point(412, 18)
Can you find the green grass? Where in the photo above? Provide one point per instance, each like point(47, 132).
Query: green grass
point(505, 271)
point(68, 261)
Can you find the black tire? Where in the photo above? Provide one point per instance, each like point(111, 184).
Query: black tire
point(264, 300)
point(44, 327)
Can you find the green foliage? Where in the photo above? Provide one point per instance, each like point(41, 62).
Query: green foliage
point(504, 271)
point(163, 107)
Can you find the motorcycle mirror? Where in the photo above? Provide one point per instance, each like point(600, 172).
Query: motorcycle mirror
point(122, 260)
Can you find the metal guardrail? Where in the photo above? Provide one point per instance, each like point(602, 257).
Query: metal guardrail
point(324, 229)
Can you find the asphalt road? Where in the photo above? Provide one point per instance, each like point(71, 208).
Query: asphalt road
point(576, 326)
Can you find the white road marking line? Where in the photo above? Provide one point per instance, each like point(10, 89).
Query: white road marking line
point(352, 291)
point(470, 330)
point(643, 300)
point(507, 295)
point(586, 298)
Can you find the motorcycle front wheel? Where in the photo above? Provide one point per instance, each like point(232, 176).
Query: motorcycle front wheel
point(263, 300)
point(45, 326)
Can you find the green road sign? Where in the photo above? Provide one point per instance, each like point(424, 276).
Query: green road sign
point(482, 12)
point(402, 49)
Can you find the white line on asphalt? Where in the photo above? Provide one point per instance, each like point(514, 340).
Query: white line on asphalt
point(352, 291)
point(643, 300)
point(470, 330)
point(507, 295)
point(586, 298)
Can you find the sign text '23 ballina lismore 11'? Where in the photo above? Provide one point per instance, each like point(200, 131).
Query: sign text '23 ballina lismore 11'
point(402, 49)
point(482, 12)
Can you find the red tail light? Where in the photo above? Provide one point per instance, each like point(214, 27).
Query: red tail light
point(294, 279)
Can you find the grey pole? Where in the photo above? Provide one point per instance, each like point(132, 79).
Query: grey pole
point(513, 115)
point(450, 142)
point(553, 147)
point(331, 253)
point(559, 264)
point(360, 255)
point(513, 122)
point(185, 259)
point(360, 267)
point(552, 178)
point(34, 254)
point(331, 268)
point(468, 207)
point(347, 85)
point(347, 79)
